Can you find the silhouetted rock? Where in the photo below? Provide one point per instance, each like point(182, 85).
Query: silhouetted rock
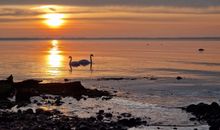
point(201, 49)
point(44, 120)
point(29, 88)
point(66, 80)
point(179, 78)
point(6, 87)
point(204, 112)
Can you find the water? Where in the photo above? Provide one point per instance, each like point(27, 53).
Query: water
point(113, 58)
point(158, 99)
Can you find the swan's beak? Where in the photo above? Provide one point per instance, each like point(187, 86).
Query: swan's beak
point(92, 55)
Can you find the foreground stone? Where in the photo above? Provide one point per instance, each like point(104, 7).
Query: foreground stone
point(204, 112)
point(54, 120)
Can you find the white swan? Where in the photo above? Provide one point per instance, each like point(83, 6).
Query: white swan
point(85, 62)
point(73, 63)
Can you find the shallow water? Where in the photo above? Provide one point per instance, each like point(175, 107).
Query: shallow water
point(136, 58)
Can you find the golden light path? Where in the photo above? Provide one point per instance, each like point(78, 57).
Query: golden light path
point(54, 20)
point(55, 59)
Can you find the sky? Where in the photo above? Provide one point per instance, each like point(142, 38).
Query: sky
point(110, 18)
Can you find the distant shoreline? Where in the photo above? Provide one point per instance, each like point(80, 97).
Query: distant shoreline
point(115, 38)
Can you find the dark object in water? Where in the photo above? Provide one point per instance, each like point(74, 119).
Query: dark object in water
point(179, 78)
point(204, 112)
point(201, 50)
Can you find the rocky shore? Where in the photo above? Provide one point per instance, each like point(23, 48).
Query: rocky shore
point(41, 119)
point(54, 120)
point(53, 93)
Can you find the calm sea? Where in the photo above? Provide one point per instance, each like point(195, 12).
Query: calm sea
point(48, 59)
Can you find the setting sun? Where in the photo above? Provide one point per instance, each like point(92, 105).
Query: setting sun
point(54, 20)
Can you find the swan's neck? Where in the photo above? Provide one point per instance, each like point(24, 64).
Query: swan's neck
point(70, 60)
point(91, 59)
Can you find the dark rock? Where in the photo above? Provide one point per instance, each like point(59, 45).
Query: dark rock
point(100, 117)
point(192, 119)
point(201, 49)
point(179, 78)
point(29, 111)
point(82, 127)
point(6, 88)
point(208, 113)
point(152, 78)
point(66, 80)
point(108, 115)
point(6, 104)
point(29, 88)
point(101, 112)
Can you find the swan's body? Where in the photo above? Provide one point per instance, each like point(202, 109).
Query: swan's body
point(85, 62)
point(73, 63)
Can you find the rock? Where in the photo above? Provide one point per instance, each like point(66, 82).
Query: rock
point(45, 120)
point(152, 78)
point(108, 115)
point(66, 80)
point(101, 112)
point(6, 104)
point(99, 117)
point(201, 49)
point(6, 87)
point(29, 88)
point(82, 127)
point(29, 111)
point(192, 119)
point(179, 78)
point(204, 112)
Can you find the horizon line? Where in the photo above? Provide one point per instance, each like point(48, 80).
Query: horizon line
point(112, 38)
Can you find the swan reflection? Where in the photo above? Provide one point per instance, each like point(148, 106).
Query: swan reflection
point(54, 58)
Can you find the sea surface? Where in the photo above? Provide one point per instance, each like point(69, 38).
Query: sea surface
point(48, 59)
point(152, 64)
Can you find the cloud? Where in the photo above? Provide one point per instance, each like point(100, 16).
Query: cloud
point(18, 12)
point(12, 11)
point(178, 3)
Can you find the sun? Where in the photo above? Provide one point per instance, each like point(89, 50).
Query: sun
point(54, 20)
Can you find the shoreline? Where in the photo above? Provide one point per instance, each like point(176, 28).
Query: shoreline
point(83, 105)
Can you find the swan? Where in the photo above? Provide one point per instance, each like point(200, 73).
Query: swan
point(73, 63)
point(85, 62)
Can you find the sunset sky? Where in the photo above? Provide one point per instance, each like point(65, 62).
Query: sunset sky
point(109, 18)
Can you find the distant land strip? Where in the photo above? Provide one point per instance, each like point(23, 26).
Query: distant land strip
point(114, 38)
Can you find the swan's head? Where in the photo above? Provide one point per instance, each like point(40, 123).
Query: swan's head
point(70, 57)
point(91, 55)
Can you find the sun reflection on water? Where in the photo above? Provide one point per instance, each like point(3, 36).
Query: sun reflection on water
point(55, 58)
